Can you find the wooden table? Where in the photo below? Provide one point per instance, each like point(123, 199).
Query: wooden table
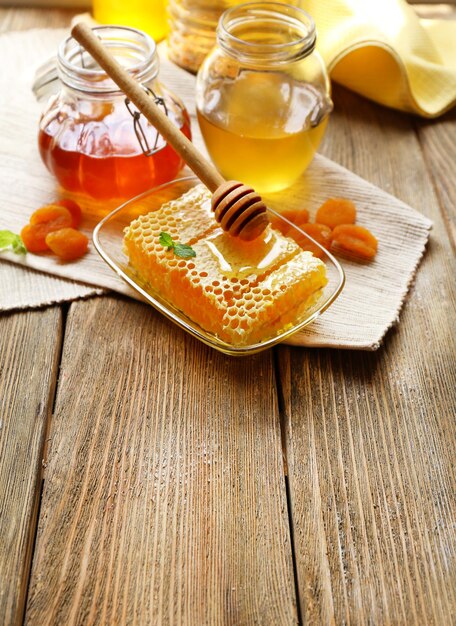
point(147, 479)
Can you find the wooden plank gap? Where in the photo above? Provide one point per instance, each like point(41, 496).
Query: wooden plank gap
point(293, 551)
point(281, 410)
point(64, 308)
point(33, 536)
point(279, 381)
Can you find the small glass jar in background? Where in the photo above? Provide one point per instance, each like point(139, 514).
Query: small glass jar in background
point(147, 15)
point(192, 29)
point(263, 95)
point(88, 137)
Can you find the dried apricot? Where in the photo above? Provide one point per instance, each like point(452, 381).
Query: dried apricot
point(336, 211)
point(67, 243)
point(297, 216)
point(319, 232)
point(355, 239)
point(55, 216)
point(34, 237)
point(74, 209)
point(277, 223)
point(42, 222)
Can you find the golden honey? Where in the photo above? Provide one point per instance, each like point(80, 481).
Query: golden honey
point(263, 95)
point(269, 161)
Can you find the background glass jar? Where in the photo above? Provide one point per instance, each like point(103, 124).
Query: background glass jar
point(263, 95)
point(88, 137)
point(192, 29)
point(147, 15)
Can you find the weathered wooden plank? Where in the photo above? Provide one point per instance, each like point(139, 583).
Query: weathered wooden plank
point(29, 350)
point(164, 499)
point(438, 143)
point(370, 438)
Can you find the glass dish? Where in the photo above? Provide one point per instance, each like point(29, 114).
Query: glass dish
point(108, 240)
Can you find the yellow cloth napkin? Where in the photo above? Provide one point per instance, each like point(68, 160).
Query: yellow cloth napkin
point(384, 51)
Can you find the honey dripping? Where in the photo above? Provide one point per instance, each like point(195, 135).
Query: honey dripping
point(239, 259)
point(271, 146)
point(102, 157)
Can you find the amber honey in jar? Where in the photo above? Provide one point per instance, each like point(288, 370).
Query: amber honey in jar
point(91, 138)
point(263, 95)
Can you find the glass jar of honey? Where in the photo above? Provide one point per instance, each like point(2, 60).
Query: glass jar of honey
point(263, 95)
point(192, 29)
point(94, 140)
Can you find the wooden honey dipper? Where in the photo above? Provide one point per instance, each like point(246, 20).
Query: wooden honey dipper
point(237, 207)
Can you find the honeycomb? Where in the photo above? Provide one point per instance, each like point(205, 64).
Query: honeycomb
point(243, 292)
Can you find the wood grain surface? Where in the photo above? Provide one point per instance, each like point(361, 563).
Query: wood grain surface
point(29, 352)
point(165, 499)
point(370, 439)
point(438, 146)
point(164, 496)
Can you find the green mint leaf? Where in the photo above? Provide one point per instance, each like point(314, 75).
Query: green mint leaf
point(183, 251)
point(18, 246)
point(6, 238)
point(11, 240)
point(166, 240)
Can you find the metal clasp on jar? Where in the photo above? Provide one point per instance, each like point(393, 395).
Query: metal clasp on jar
point(139, 130)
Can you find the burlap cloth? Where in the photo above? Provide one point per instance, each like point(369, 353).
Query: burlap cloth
point(359, 319)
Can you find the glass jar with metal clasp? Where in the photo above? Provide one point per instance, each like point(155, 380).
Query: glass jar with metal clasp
point(90, 136)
